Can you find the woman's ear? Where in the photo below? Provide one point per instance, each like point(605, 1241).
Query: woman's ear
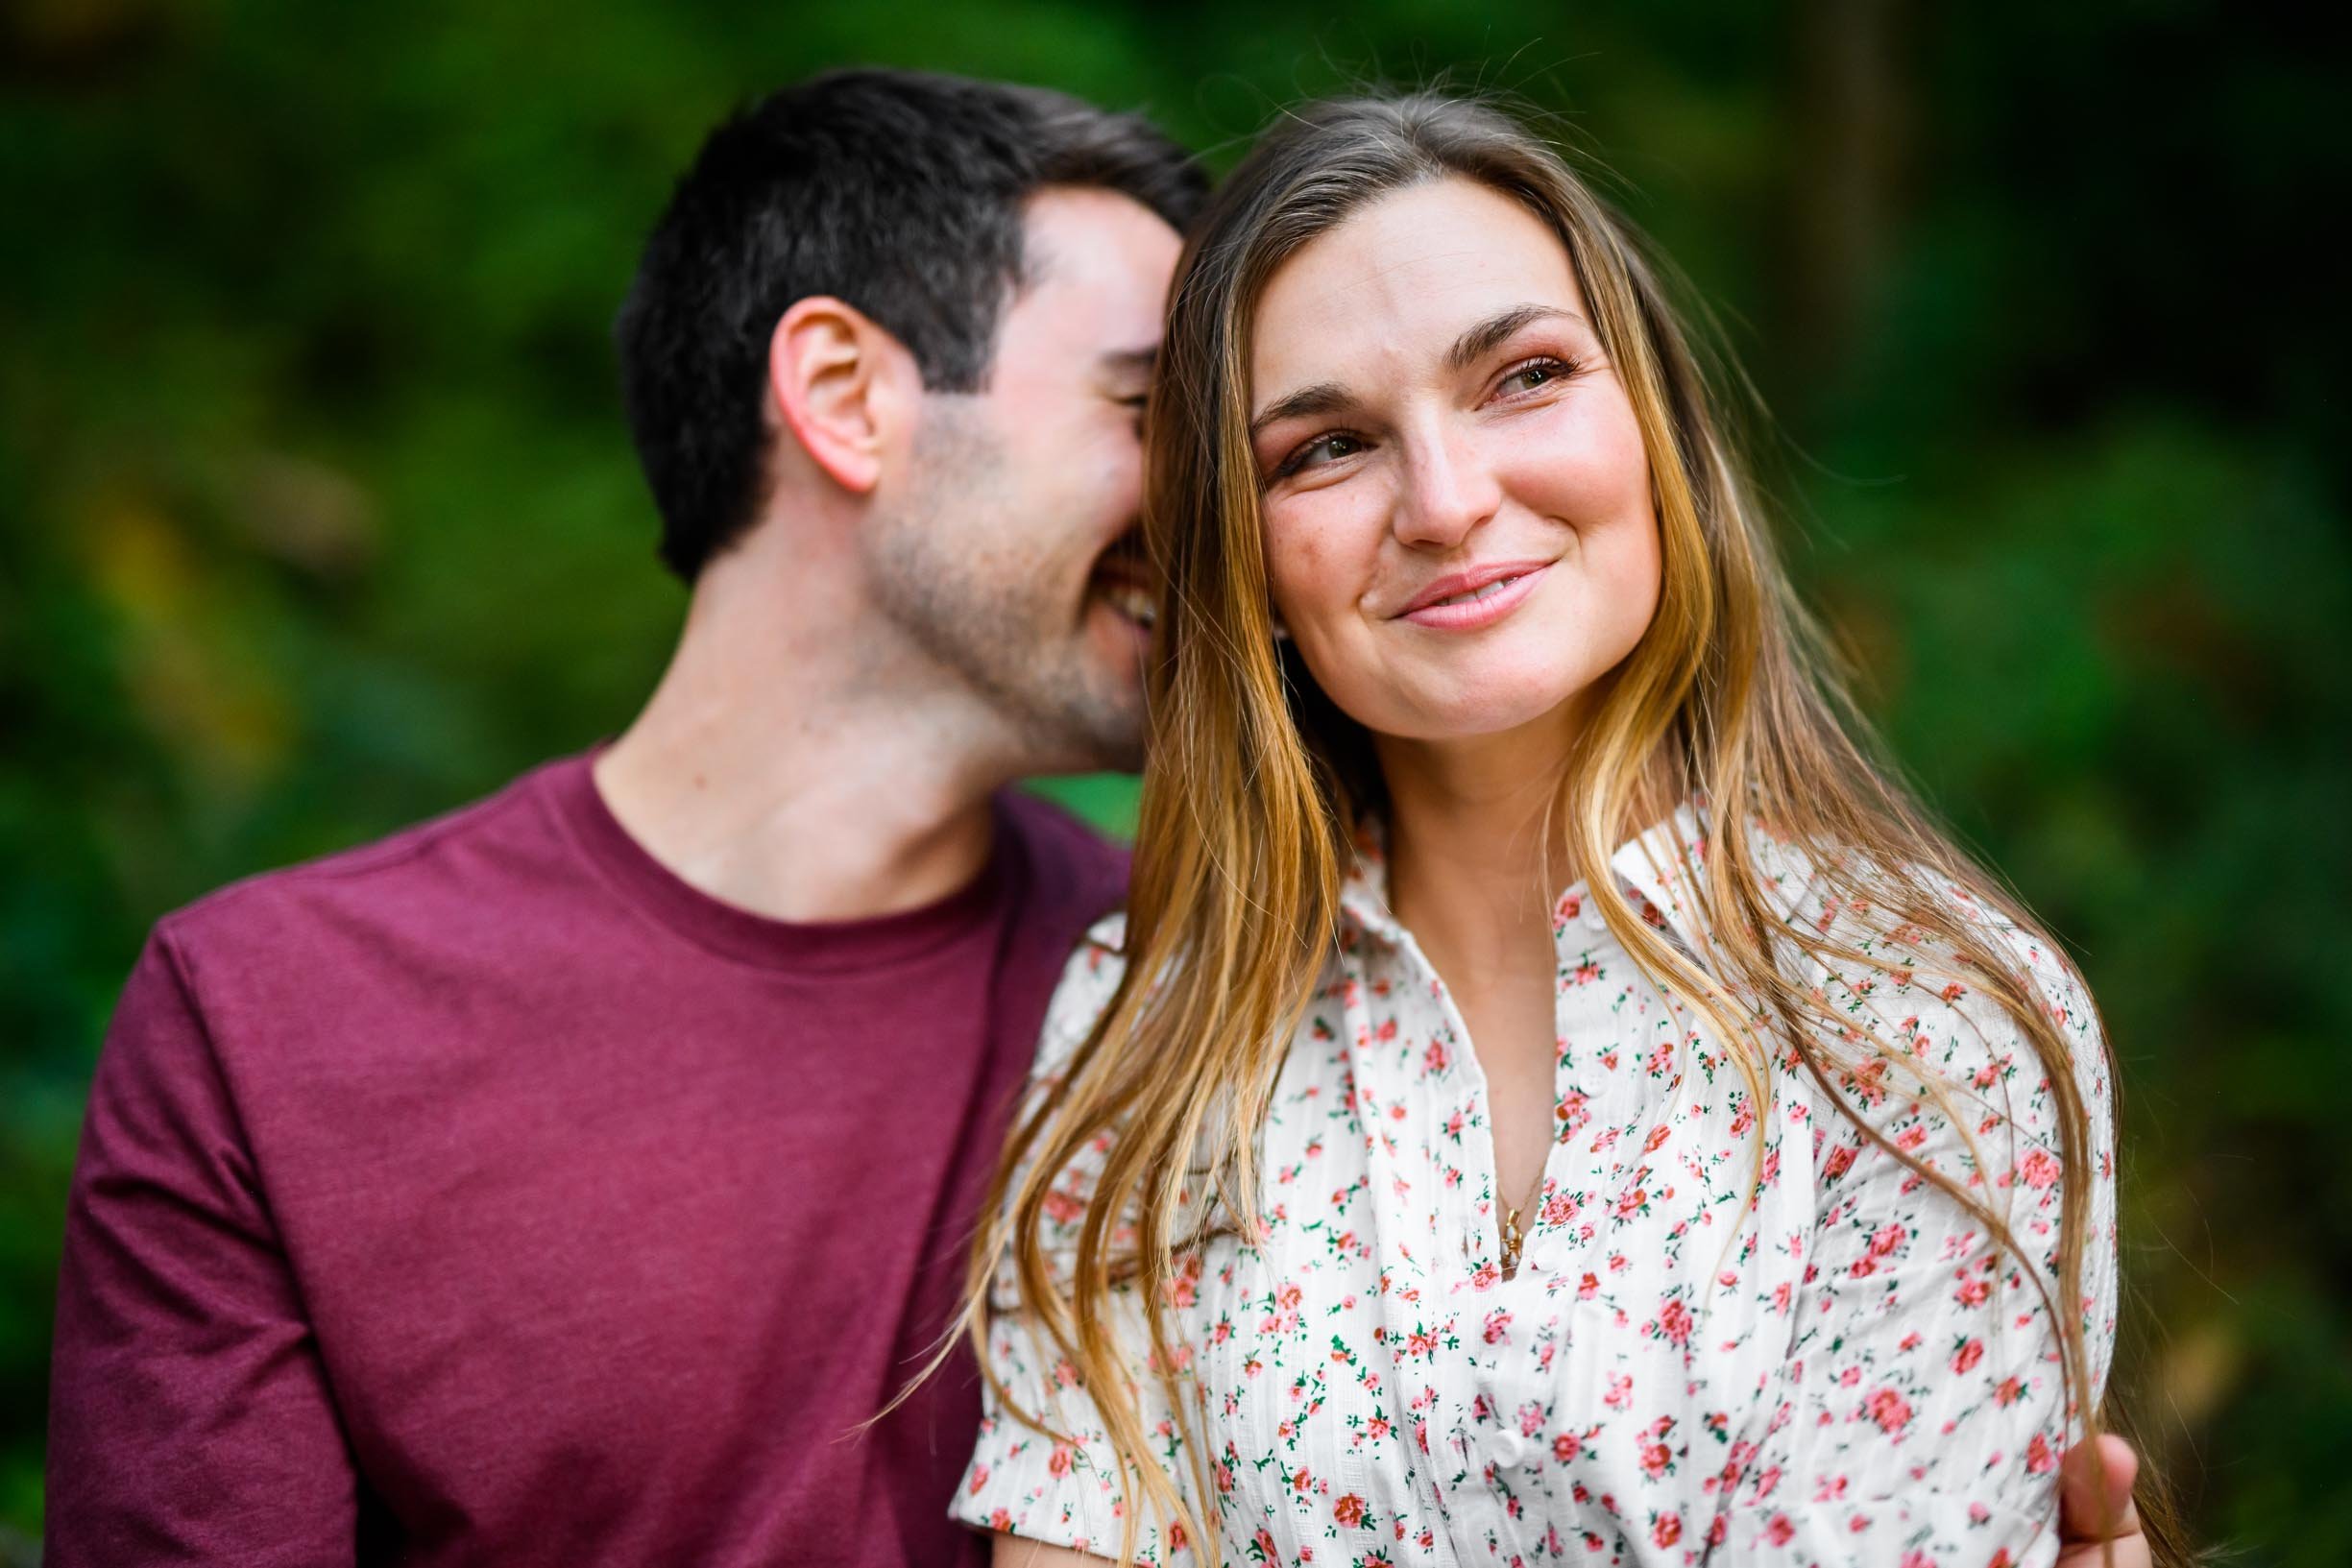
point(842, 386)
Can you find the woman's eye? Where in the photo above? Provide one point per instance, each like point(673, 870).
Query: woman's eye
point(1323, 449)
point(1536, 372)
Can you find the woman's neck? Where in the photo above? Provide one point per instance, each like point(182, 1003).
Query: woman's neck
point(1476, 851)
point(1476, 856)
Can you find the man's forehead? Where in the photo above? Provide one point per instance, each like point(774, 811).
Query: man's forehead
point(1082, 236)
point(1096, 267)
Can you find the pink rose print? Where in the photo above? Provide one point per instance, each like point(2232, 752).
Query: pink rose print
point(1674, 1321)
point(1890, 1410)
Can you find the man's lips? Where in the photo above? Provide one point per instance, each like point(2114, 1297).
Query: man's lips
point(1126, 587)
point(1476, 594)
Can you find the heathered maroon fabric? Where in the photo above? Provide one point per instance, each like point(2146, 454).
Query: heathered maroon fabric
point(491, 1195)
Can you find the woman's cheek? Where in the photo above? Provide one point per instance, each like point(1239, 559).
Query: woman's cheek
point(1301, 564)
point(1581, 461)
point(1283, 573)
point(1582, 483)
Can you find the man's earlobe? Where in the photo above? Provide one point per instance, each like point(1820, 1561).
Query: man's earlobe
point(832, 375)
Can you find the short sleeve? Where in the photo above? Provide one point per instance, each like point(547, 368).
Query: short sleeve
point(1062, 1486)
point(1922, 1411)
point(190, 1419)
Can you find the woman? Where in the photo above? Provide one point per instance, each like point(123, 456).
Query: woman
point(1553, 1095)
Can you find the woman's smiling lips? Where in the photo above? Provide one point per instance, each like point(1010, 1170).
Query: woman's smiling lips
point(1464, 600)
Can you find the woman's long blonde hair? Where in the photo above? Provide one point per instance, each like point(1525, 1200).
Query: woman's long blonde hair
point(1254, 781)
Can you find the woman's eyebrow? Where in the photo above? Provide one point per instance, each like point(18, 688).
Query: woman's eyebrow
point(1323, 398)
point(1330, 397)
point(1483, 339)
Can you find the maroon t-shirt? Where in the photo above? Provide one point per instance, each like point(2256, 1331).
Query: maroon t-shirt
point(490, 1195)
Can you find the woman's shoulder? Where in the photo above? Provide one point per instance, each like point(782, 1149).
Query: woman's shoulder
point(1089, 983)
point(1107, 936)
point(1870, 906)
point(1947, 1009)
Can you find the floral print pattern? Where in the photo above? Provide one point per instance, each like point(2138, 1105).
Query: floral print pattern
point(1820, 1360)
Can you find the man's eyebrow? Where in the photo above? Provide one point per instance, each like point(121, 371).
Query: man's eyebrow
point(1122, 362)
point(1483, 339)
point(1323, 398)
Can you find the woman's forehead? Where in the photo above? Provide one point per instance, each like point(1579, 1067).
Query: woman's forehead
point(1396, 282)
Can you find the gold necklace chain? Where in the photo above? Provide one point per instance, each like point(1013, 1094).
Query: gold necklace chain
point(1512, 1234)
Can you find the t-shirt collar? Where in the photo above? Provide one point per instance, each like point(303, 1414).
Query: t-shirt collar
point(633, 873)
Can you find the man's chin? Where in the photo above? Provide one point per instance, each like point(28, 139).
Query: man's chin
point(1127, 758)
point(1079, 715)
point(1114, 646)
point(1106, 742)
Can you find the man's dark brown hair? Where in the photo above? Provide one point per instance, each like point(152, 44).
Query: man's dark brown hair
point(898, 192)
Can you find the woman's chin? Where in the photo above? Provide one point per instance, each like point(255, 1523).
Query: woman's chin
point(1475, 711)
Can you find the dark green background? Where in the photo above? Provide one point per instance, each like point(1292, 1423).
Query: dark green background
point(316, 515)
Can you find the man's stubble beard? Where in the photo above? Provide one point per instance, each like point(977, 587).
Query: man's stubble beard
point(966, 579)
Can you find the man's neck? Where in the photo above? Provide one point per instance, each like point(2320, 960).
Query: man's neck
point(786, 766)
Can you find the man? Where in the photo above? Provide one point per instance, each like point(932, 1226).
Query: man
point(568, 1179)
point(565, 1180)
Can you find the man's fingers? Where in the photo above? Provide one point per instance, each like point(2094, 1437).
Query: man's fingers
point(2110, 1466)
point(2121, 1467)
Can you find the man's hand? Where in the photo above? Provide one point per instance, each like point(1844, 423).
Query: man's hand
point(2110, 1465)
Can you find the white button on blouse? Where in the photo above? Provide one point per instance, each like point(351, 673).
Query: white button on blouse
point(1844, 1371)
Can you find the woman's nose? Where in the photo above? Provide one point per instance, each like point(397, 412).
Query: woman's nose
point(1448, 491)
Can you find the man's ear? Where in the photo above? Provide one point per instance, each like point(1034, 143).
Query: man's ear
point(843, 387)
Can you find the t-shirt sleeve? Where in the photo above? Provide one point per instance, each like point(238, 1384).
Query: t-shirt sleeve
point(189, 1417)
point(1062, 1486)
point(1921, 1413)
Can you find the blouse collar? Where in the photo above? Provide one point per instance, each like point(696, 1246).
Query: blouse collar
point(1660, 871)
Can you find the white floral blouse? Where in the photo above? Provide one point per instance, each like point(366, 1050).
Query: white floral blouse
point(1849, 1374)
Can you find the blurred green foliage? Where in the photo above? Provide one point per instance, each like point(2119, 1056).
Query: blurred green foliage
point(316, 513)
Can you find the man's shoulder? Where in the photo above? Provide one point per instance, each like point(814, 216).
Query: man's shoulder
point(1073, 866)
point(454, 859)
